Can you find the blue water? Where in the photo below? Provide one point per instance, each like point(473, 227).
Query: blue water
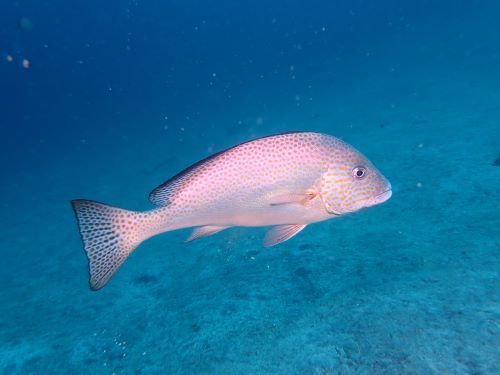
point(118, 96)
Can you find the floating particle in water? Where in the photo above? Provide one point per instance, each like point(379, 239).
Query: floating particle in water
point(419, 184)
point(9, 58)
point(25, 24)
point(420, 145)
point(259, 121)
point(26, 64)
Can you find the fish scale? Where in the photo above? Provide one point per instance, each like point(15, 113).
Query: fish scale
point(286, 181)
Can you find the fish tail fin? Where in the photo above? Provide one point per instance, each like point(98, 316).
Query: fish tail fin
point(109, 235)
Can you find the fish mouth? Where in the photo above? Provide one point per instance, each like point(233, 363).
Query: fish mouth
point(384, 192)
point(381, 197)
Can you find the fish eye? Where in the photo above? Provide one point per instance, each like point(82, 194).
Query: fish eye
point(359, 172)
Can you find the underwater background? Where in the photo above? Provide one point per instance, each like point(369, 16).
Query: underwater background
point(105, 100)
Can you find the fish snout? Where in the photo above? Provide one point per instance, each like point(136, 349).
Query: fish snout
point(384, 194)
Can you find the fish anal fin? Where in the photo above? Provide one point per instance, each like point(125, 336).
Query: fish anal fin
point(282, 233)
point(290, 198)
point(204, 231)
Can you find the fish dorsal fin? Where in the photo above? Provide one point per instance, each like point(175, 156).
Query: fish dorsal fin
point(161, 196)
point(207, 230)
point(282, 233)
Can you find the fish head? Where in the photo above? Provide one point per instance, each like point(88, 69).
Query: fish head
point(352, 182)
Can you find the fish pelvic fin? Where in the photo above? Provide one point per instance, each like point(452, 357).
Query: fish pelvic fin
point(109, 235)
point(282, 233)
point(204, 231)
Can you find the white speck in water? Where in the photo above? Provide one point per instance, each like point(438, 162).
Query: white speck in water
point(419, 184)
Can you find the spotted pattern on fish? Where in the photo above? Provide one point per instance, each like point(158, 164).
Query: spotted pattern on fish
point(287, 180)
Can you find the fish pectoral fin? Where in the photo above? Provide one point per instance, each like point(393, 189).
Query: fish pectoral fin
point(281, 233)
point(207, 230)
point(297, 198)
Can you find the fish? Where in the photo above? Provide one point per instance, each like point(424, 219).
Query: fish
point(286, 181)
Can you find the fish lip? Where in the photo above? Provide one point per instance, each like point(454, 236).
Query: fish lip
point(382, 193)
point(381, 197)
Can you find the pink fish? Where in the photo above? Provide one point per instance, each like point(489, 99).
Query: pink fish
point(286, 181)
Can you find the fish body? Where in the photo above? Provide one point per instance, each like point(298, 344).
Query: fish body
point(286, 181)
